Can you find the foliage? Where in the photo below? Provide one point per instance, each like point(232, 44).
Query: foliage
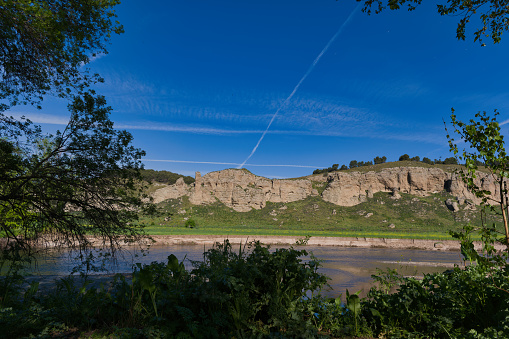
point(470, 302)
point(383, 160)
point(84, 180)
point(249, 292)
point(404, 157)
point(303, 241)
point(353, 164)
point(253, 291)
point(190, 223)
point(164, 177)
point(450, 161)
point(380, 160)
point(486, 145)
point(45, 43)
point(493, 14)
point(333, 168)
point(427, 161)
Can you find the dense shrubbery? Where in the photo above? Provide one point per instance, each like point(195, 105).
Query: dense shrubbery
point(232, 293)
point(164, 177)
point(258, 293)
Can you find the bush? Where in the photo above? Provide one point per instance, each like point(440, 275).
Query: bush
point(232, 293)
point(454, 304)
point(164, 177)
point(380, 160)
point(427, 161)
point(190, 223)
point(450, 161)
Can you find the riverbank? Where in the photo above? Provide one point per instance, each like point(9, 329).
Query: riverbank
point(363, 242)
point(421, 244)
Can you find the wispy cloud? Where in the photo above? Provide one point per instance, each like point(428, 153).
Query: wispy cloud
point(325, 114)
point(41, 118)
point(185, 129)
point(319, 125)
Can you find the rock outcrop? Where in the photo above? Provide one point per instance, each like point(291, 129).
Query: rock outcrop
point(243, 191)
point(177, 190)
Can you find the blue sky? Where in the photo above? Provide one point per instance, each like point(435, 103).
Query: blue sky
point(197, 83)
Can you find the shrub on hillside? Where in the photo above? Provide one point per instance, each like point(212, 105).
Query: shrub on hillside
point(164, 177)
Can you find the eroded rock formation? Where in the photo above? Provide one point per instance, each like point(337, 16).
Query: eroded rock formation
point(243, 191)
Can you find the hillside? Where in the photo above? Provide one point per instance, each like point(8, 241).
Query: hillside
point(382, 200)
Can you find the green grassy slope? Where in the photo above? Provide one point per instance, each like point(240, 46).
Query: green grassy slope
point(382, 216)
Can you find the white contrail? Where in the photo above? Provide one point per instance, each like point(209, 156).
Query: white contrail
point(310, 69)
point(229, 163)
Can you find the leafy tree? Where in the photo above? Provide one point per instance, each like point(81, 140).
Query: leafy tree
point(427, 161)
point(486, 145)
point(343, 168)
point(354, 164)
point(404, 157)
point(492, 14)
point(335, 167)
point(366, 163)
point(416, 158)
point(380, 160)
point(168, 177)
point(84, 180)
point(45, 43)
point(450, 161)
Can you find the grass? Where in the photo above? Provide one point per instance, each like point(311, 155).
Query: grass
point(297, 233)
point(380, 217)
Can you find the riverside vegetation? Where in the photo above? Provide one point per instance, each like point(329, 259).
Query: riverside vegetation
point(252, 292)
point(246, 293)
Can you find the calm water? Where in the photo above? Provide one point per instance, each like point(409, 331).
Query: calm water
point(348, 268)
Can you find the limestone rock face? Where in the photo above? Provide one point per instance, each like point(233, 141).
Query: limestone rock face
point(243, 191)
point(484, 181)
point(349, 189)
point(174, 191)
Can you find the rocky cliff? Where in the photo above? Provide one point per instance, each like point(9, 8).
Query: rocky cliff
point(243, 191)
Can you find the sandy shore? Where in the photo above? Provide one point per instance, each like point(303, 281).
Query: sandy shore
point(430, 245)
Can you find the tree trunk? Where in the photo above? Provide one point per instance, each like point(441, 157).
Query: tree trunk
point(504, 206)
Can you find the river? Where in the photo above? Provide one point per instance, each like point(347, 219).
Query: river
point(348, 268)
